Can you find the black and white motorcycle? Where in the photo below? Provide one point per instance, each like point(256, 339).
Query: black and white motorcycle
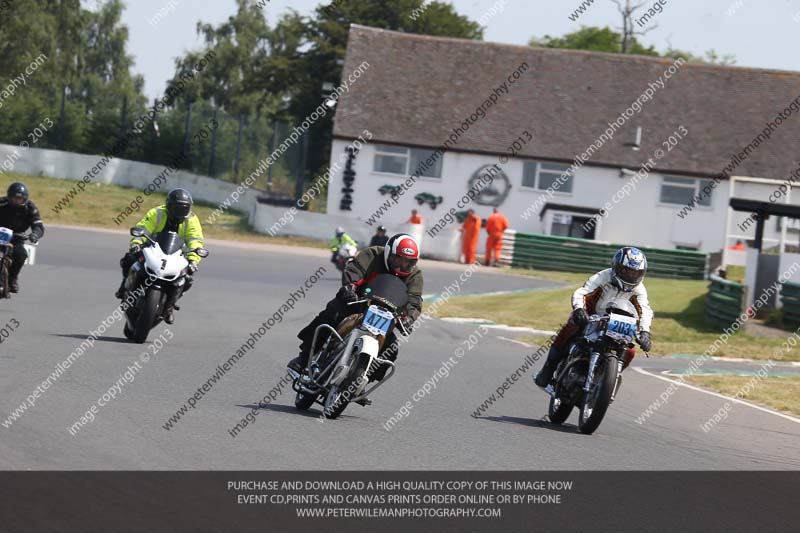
point(590, 375)
point(338, 372)
point(157, 279)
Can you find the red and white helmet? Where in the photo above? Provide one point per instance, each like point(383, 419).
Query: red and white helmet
point(401, 254)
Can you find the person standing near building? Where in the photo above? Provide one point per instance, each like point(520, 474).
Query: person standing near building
point(496, 225)
point(415, 217)
point(380, 238)
point(470, 234)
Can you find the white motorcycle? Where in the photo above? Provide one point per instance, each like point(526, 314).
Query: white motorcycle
point(344, 254)
point(161, 270)
point(338, 372)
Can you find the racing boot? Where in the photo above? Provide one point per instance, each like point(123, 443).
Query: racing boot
point(545, 375)
point(299, 363)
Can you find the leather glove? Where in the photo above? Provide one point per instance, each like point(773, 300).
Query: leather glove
point(347, 293)
point(135, 249)
point(407, 322)
point(33, 238)
point(192, 268)
point(644, 340)
point(579, 317)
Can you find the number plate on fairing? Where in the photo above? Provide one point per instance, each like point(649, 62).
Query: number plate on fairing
point(377, 320)
point(621, 327)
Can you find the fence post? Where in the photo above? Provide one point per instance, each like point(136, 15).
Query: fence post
point(301, 164)
point(238, 147)
point(61, 118)
point(272, 142)
point(187, 135)
point(212, 158)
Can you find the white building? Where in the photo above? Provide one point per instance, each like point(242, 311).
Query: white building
point(686, 121)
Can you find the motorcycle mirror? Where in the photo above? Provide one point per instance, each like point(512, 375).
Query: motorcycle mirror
point(137, 231)
point(202, 252)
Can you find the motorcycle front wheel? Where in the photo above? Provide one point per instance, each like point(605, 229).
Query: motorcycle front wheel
point(147, 316)
point(559, 410)
point(339, 396)
point(304, 401)
point(595, 402)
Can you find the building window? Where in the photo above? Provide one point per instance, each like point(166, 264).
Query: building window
point(542, 176)
point(407, 161)
point(681, 191)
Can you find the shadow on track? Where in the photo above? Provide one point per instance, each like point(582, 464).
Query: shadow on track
point(542, 423)
point(291, 409)
point(120, 340)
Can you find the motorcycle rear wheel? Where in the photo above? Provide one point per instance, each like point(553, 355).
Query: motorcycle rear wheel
point(594, 406)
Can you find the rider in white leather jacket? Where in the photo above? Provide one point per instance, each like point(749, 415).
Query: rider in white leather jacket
point(622, 280)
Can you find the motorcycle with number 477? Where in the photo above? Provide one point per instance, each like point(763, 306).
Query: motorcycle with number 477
point(338, 372)
point(590, 375)
point(161, 271)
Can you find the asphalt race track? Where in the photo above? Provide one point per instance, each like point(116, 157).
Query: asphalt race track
point(70, 292)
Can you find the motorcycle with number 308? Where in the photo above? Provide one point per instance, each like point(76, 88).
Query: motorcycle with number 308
point(590, 375)
point(338, 372)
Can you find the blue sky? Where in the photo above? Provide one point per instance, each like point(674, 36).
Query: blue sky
point(760, 33)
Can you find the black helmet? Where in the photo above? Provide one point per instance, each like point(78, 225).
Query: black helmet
point(17, 190)
point(179, 205)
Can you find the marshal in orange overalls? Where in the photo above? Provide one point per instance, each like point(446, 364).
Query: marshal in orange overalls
point(471, 232)
point(496, 225)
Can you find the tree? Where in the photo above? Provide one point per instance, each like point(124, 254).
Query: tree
point(86, 63)
point(593, 39)
point(605, 39)
point(281, 69)
point(314, 55)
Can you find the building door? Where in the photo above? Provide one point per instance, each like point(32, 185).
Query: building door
point(567, 225)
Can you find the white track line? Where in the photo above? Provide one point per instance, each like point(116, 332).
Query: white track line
point(718, 395)
point(515, 341)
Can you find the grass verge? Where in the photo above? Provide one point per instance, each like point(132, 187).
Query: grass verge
point(100, 203)
point(781, 393)
point(680, 326)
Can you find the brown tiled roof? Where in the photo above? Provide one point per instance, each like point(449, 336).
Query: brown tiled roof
point(417, 88)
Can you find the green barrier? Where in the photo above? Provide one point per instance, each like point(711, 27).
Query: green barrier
point(790, 298)
point(725, 300)
point(546, 252)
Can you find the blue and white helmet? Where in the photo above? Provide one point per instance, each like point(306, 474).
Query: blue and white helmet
point(628, 268)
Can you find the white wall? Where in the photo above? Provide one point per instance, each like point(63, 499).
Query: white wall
point(639, 219)
point(321, 226)
point(71, 166)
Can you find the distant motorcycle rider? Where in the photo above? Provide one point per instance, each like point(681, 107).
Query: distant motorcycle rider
point(19, 214)
point(623, 280)
point(341, 238)
point(398, 257)
point(175, 215)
